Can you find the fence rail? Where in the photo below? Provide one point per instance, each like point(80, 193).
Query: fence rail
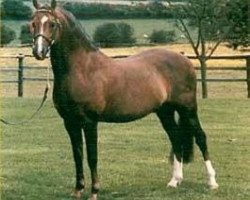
point(21, 67)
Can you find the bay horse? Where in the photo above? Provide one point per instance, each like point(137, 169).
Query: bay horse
point(90, 87)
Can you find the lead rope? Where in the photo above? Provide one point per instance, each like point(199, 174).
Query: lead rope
point(45, 95)
point(48, 78)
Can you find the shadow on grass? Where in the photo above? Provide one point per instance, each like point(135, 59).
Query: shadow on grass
point(188, 190)
point(43, 187)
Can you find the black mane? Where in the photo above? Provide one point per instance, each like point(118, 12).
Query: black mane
point(74, 27)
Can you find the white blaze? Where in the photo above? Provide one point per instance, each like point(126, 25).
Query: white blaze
point(40, 38)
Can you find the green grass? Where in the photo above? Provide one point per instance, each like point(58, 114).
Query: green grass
point(36, 160)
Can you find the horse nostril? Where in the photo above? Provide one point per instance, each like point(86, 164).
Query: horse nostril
point(44, 52)
point(39, 55)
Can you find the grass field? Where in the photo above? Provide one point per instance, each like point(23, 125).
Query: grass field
point(36, 160)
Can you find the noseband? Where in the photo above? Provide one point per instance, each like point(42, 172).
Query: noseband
point(49, 40)
point(57, 25)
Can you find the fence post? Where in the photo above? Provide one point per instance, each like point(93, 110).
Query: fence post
point(20, 58)
point(203, 77)
point(248, 75)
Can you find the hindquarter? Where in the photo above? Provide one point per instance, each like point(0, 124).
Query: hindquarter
point(180, 74)
point(142, 83)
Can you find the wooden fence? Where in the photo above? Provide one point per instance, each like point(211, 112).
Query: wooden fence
point(21, 67)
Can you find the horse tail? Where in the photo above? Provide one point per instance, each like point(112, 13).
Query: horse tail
point(187, 141)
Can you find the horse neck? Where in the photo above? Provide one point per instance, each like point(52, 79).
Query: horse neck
point(73, 40)
point(63, 55)
point(58, 61)
point(73, 35)
point(61, 50)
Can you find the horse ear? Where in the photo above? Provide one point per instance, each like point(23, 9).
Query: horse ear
point(36, 4)
point(53, 4)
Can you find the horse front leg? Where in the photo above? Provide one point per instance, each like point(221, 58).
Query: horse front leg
point(74, 130)
point(91, 135)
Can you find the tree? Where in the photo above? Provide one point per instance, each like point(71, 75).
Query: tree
point(25, 35)
point(15, 9)
point(162, 36)
point(7, 34)
point(209, 17)
point(114, 35)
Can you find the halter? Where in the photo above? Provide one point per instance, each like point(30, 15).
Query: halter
point(57, 23)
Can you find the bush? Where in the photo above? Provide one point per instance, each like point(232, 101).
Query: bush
point(15, 9)
point(7, 34)
point(162, 36)
point(114, 35)
point(25, 36)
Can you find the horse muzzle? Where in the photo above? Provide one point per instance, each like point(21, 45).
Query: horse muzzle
point(40, 54)
point(41, 47)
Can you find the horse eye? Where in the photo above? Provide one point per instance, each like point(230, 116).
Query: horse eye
point(52, 25)
point(33, 25)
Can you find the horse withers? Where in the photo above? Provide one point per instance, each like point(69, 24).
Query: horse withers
point(90, 87)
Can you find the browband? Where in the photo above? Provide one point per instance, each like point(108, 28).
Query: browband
point(44, 10)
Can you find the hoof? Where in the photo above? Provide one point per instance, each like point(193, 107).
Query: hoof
point(93, 197)
point(170, 185)
point(214, 186)
point(174, 183)
point(77, 194)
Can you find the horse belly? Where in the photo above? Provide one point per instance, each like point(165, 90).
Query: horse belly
point(120, 118)
point(133, 105)
point(127, 113)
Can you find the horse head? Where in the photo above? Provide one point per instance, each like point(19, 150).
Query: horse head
point(45, 28)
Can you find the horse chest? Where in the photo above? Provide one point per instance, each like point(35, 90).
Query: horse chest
point(63, 103)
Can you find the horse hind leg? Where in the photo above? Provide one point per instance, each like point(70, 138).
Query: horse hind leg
point(169, 123)
point(190, 123)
